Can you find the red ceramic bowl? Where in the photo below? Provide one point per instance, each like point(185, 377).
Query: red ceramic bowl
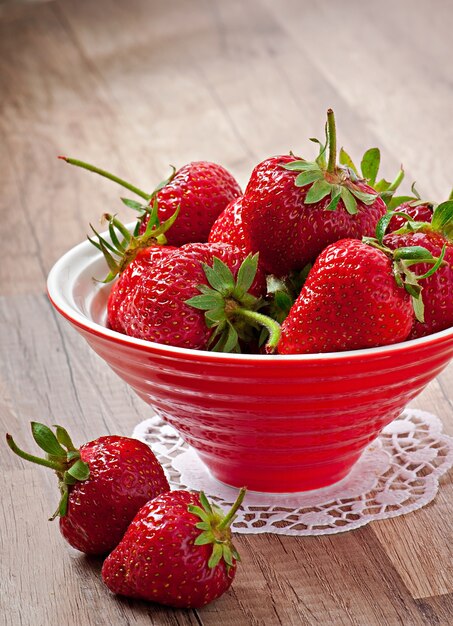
point(271, 423)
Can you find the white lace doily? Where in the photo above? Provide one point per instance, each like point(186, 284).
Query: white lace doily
point(396, 474)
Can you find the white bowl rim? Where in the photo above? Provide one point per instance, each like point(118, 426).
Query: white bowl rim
point(85, 253)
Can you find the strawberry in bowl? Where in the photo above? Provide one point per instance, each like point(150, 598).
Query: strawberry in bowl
point(292, 208)
point(199, 190)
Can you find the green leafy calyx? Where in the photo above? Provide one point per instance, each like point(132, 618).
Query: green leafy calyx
point(124, 246)
point(61, 456)
point(325, 179)
point(216, 529)
point(402, 259)
point(340, 182)
point(230, 310)
point(283, 292)
point(441, 222)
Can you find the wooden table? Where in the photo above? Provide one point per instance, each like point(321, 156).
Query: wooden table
point(134, 86)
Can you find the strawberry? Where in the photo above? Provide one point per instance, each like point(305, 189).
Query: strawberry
point(199, 296)
point(127, 281)
point(228, 227)
point(177, 552)
point(292, 209)
point(199, 190)
point(436, 236)
point(355, 296)
point(408, 209)
point(129, 256)
point(102, 485)
point(417, 211)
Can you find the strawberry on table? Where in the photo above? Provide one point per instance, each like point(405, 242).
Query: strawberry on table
point(177, 552)
point(200, 191)
point(103, 484)
point(292, 209)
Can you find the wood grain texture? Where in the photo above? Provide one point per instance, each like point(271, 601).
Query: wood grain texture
point(133, 87)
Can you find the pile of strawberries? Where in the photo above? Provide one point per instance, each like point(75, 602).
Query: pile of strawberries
point(314, 257)
point(169, 547)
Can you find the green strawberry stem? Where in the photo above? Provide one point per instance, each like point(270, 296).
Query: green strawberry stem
point(338, 183)
point(62, 457)
point(105, 174)
point(332, 136)
point(259, 319)
point(58, 467)
point(229, 517)
point(215, 527)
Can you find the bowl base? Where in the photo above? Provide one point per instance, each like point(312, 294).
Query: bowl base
point(280, 481)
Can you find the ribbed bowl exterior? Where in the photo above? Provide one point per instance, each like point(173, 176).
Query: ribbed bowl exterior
point(270, 423)
point(275, 425)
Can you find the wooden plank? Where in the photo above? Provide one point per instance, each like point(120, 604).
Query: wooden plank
point(437, 610)
point(44, 581)
point(376, 62)
point(16, 277)
point(344, 579)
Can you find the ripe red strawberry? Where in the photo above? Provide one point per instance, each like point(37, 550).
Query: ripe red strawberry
point(416, 210)
point(437, 287)
point(129, 255)
point(351, 300)
point(200, 191)
point(198, 296)
point(125, 285)
point(292, 209)
point(167, 307)
point(228, 227)
point(177, 552)
point(102, 485)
